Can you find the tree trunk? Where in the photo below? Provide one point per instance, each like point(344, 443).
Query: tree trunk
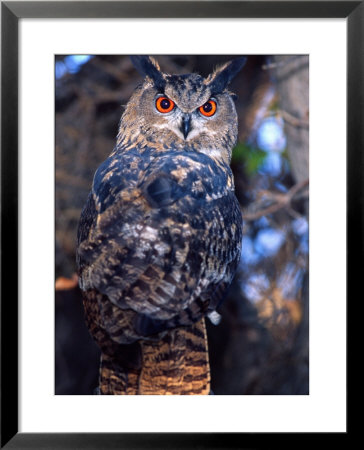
point(292, 80)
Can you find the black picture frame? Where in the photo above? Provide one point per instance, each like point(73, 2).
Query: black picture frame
point(11, 12)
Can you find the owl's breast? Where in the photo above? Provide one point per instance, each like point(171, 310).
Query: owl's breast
point(189, 175)
point(165, 242)
point(193, 198)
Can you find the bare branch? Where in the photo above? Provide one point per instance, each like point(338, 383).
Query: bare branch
point(281, 63)
point(279, 200)
point(292, 120)
point(289, 118)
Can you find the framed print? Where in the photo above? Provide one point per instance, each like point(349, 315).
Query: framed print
point(38, 38)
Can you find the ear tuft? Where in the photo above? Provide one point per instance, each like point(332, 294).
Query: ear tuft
point(148, 67)
point(223, 75)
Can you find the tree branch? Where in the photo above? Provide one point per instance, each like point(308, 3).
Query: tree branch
point(278, 200)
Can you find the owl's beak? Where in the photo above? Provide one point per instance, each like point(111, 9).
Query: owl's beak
point(186, 125)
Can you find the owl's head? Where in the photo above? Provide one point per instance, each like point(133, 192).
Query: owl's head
point(182, 112)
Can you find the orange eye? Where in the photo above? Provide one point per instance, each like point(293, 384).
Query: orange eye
point(208, 109)
point(164, 104)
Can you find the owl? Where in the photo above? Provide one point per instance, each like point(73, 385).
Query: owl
point(159, 238)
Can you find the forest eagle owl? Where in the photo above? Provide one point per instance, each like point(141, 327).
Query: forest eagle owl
point(159, 238)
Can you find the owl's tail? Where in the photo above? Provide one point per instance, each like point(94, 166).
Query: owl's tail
point(178, 364)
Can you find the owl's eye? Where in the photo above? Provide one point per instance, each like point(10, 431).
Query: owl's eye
point(164, 104)
point(208, 109)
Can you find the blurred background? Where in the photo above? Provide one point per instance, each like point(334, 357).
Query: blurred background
point(259, 342)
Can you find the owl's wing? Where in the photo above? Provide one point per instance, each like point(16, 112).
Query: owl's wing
point(166, 247)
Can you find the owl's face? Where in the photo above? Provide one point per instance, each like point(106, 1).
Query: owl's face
point(182, 112)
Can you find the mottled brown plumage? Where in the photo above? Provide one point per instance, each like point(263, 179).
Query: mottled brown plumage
point(160, 235)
